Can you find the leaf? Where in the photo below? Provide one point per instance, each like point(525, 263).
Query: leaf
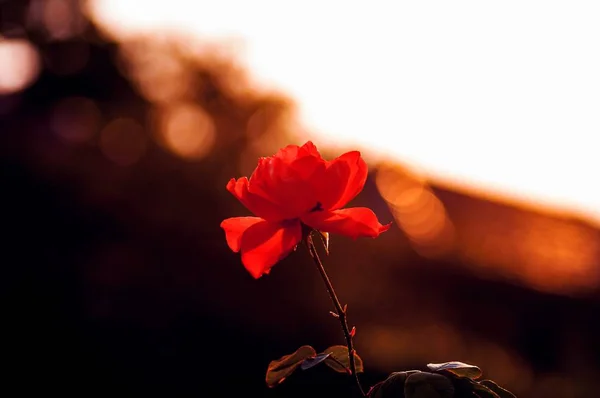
point(393, 386)
point(281, 368)
point(459, 369)
point(482, 391)
point(310, 362)
point(428, 385)
point(339, 360)
point(501, 392)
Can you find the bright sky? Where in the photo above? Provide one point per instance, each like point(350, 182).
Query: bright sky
point(502, 97)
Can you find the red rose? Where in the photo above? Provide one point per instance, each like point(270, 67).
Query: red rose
point(297, 186)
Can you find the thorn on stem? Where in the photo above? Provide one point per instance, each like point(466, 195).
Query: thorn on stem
point(333, 314)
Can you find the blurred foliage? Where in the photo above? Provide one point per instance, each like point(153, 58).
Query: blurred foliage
point(335, 357)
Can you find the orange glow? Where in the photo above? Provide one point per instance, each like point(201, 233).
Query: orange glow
point(411, 199)
point(567, 256)
point(417, 210)
point(427, 223)
point(397, 186)
point(187, 131)
point(551, 255)
point(19, 65)
point(76, 119)
point(123, 141)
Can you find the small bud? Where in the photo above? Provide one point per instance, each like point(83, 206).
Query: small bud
point(345, 308)
point(353, 331)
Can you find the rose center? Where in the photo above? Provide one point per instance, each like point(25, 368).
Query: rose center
point(318, 207)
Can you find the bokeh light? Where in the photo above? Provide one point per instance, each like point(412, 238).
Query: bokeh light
point(58, 19)
point(61, 18)
point(19, 65)
point(186, 130)
point(76, 119)
point(123, 141)
point(416, 209)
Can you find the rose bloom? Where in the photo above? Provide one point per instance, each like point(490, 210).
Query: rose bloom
point(297, 186)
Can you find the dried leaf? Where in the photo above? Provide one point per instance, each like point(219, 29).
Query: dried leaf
point(459, 369)
point(340, 361)
point(310, 362)
point(283, 367)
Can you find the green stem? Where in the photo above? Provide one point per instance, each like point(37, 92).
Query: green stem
point(339, 310)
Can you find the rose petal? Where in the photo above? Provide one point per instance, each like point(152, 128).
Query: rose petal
point(333, 183)
point(234, 229)
point(355, 180)
point(344, 178)
point(354, 222)
point(255, 203)
point(288, 152)
point(289, 183)
point(311, 149)
point(265, 243)
point(293, 152)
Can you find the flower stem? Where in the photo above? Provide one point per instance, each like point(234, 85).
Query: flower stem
point(339, 310)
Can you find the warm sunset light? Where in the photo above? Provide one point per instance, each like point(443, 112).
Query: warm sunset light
point(495, 98)
point(306, 198)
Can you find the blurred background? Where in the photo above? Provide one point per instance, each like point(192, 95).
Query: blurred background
point(121, 123)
